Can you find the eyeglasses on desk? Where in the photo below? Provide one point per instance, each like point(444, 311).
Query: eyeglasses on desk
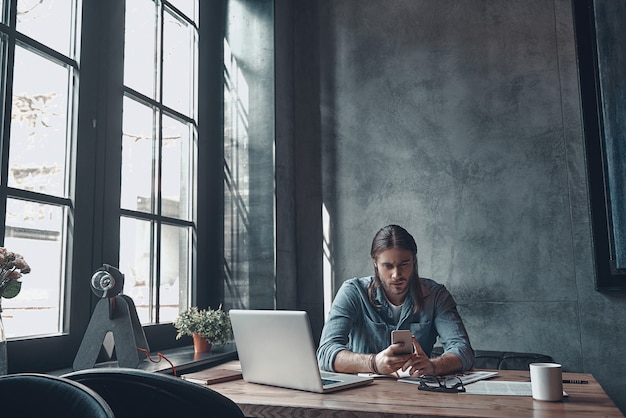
point(446, 385)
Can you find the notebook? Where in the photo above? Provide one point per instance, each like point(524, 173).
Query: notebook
point(276, 348)
point(212, 375)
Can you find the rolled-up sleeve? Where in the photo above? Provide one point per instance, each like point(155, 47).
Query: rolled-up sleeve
point(336, 331)
point(451, 330)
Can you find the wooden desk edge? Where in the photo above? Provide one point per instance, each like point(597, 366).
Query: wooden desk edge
point(384, 397)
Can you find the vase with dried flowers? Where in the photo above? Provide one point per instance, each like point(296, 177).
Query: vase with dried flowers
point(12, 267)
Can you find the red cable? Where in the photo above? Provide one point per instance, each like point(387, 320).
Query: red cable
point(161, 356)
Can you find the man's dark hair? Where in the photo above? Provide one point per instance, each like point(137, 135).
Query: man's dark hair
point(388, 237)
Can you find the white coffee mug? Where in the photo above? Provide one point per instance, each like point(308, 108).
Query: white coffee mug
point(546, 381)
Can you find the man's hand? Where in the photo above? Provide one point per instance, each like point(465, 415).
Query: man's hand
point(418, 363)
point(388, 362)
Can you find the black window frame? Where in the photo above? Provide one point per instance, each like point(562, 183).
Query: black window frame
point(607, 276)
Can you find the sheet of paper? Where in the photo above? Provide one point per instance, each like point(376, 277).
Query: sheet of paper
point(378, 376)
point(487, 387)
point(497, 387)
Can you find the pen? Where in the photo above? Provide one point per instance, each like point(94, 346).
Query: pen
point(575, 381)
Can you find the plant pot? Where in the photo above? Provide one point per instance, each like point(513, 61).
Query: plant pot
point(201, 344)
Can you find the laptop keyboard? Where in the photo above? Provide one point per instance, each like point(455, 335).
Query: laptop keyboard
point(326, 382)
point(326, 379)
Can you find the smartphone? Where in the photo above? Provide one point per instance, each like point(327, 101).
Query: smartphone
point(403, 336)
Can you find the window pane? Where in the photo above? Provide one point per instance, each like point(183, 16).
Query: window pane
point(138, 148)
point(178, 64)
point(136, 237)
point(177, 183)
point(137, 257)
point(188, 7)
point(140, 51)
point(39, 124)
point(175, 271)
point(49, 22)
point(36, 231)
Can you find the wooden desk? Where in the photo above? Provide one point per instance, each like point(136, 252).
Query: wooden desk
point(388, 398)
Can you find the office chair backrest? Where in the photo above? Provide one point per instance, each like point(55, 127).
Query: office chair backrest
point(503, 360)
point(137, 393)
point(34, 394)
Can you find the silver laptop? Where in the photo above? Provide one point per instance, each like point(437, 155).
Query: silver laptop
point(277, 348)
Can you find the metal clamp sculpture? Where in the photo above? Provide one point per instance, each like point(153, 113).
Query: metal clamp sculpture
point(114, 324)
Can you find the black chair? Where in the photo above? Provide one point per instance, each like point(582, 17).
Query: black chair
point(138, 393)
point(508, 360)
point(503, 360)
point(40, 395)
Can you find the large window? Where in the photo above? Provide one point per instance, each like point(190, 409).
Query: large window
point(159, 157)
point(101, 154)
point(40, 85)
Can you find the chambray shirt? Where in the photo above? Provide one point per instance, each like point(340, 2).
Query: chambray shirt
point(355, 325)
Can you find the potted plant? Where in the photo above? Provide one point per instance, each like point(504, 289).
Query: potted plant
point(205, 326)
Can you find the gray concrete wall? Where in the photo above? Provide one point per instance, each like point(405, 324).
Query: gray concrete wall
point(460, 120)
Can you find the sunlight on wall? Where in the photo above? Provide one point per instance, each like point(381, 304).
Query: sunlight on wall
point(327, 262)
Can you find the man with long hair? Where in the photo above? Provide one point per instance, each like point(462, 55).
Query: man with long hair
point(356, 336)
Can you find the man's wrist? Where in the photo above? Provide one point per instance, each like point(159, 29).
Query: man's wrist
point(446, 364)
point(435, 368)
point(373, 365)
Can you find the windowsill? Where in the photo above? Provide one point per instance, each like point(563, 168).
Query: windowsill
point(183, 358)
